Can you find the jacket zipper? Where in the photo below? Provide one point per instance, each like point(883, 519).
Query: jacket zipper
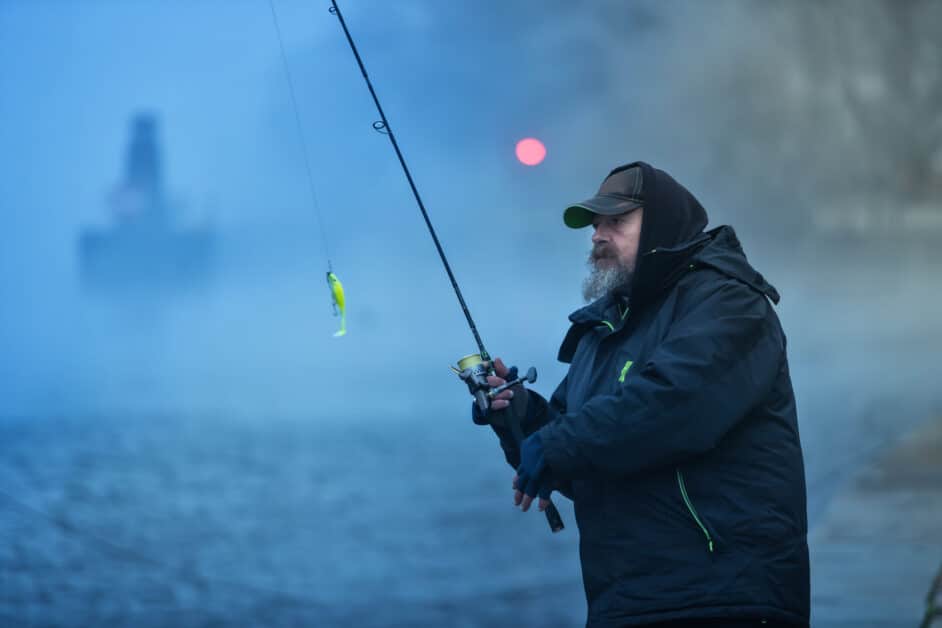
point(692, 510)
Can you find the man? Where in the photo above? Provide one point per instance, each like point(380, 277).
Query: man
point(674, 431)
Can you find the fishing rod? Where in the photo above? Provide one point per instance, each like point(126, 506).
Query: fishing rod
point(472, 369)
point(383, 127)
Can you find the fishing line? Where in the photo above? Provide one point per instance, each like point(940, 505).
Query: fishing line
point(303, 138)
point(333, 283)
point(383, 127)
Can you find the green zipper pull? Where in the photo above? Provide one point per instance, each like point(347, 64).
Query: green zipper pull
point(624, 371)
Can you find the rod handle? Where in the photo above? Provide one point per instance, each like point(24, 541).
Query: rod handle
point(553, 518)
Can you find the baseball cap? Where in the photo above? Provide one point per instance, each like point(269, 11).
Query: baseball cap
point(621, 192)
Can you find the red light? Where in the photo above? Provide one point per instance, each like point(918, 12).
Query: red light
point(530, 151)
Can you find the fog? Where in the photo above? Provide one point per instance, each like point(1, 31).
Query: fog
point(809, 128)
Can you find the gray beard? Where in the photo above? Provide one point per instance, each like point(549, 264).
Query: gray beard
point(604, 281)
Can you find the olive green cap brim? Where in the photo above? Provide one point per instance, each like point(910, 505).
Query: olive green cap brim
point(582, 214)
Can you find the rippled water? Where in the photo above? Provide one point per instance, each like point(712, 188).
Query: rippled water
point(171, 521)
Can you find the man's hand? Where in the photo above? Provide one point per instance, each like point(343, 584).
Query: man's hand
point(533, 478)
point(504, 399)
point(516, 395)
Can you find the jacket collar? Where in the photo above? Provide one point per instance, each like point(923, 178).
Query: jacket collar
point(658, 271)
point(661, 268)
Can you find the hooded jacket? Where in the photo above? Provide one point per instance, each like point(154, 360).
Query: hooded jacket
point(675, 433)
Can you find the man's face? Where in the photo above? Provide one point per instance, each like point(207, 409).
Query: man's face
point(615, 241)
point(614, 253)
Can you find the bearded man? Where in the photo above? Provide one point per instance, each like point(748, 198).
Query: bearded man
point(674, 431)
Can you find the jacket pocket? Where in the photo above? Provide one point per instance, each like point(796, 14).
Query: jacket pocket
point(701, 523)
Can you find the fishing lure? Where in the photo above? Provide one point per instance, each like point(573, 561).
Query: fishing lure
point(340, 304)
point(336, 288)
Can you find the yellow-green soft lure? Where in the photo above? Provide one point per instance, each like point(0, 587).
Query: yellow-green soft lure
point(340, 304)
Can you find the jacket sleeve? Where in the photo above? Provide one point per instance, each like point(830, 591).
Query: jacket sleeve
point(719, 359)
point(544, 411)
point(539, 412)
point(547, 412)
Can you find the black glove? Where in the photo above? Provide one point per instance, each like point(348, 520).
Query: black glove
point(533, 477)
point(499, 420)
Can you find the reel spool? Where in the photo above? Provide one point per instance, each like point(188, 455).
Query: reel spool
point(473, 371)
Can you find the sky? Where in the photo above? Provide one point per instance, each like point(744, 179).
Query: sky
point(461, 83)
point(74, 75)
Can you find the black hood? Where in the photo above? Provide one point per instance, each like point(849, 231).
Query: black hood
point(672, 227)
point(724, 253)
point(673, 238)
point(672, 215)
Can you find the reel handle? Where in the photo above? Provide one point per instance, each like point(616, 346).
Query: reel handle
point(529, 378)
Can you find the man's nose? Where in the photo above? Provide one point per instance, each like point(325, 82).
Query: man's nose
point(598, 235)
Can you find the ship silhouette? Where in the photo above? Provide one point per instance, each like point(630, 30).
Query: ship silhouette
point(144, 249)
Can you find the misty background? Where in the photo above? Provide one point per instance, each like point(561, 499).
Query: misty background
point(215, 454)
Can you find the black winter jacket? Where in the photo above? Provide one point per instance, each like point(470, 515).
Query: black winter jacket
point(675, 433)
